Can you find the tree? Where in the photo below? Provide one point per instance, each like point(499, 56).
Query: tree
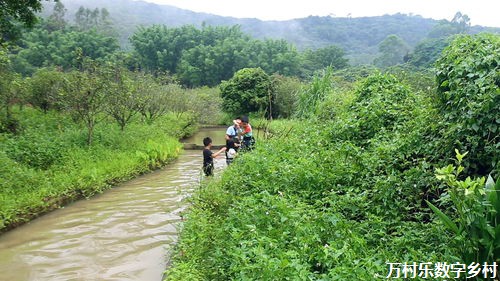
point(462, 21)
point(46, 83)
point(286, 92)
point(459, 24)
point(43, 48)
point(273, 56)
point(248, 91)
point(160, 48)
point(84, 96)
point(121, 97)
point(318, 59)
point(97, 19)
point(56, 20)
point(427, 52)
point(6, 77)
point(14, 12)
point(210, 55)
point(392, 51)
point(154, 98)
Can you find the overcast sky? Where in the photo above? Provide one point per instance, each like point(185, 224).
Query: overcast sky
point(481, 12)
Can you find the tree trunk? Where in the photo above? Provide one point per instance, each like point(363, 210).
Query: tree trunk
point(90, 132)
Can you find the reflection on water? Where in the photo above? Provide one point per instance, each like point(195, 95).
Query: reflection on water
point(122, 234)
point(216, 134)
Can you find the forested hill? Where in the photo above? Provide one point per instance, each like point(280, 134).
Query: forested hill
point(359, 36)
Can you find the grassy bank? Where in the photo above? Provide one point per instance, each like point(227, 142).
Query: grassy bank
point(337, 196)
point(49, 164)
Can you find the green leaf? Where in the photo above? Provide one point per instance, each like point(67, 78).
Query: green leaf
point(444, 218)
point(459, 156)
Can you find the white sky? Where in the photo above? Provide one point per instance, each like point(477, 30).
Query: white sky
point(481, 12)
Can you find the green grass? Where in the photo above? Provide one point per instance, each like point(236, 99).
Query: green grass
point(49, 164)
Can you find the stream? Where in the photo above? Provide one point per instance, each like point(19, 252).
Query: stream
point(122, 234)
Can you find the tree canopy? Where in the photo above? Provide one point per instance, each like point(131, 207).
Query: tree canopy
point(13, 13)
point(249, 90)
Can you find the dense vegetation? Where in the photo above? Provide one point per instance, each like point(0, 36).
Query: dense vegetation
point(389, 163)
point(358, 37)
point(74, 121)
point(342, 193)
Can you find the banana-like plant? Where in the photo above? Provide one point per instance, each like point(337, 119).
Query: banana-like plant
point(477, 203)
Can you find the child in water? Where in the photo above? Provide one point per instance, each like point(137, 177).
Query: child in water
point(208, 156)
point(231, 151)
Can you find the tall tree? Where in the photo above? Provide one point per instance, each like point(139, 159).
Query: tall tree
point(160, 48)
point(459, 24)
point(56, 20)
point(42, 48)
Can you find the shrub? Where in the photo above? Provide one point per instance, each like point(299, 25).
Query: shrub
point(249, 90)
point(468, 76)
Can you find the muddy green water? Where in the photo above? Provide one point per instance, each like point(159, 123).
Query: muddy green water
point(123, 234)
point(216, 134)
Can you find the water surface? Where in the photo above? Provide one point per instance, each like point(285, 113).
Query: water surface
point(122, 234)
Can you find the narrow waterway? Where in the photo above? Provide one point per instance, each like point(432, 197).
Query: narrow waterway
point(122, 234)
point(216, 134)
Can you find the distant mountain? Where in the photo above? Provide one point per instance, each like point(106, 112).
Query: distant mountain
point(358, 36)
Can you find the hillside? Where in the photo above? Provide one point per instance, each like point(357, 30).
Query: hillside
point(359, 37)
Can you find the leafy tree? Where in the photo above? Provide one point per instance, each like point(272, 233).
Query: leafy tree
point(469, 98)
point(13, 12)
point(84, 96)
point(42, 48)
point(160, 48)
point(249, 90)
point(459, 24)
point(427, 52)
point(205, 104)
point(9, 85)
point(123, 100)
point(154, 97)
point(13, 89)
point(318, 59)
point(199, 66)
point(462, 21)
point(46, 84)
point(273, 56)
point(97, 19)
point(392, 51)
point(210, 55)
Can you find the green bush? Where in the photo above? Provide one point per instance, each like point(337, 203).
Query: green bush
point(248, 91)
point(382, 104)
point(468, 77)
